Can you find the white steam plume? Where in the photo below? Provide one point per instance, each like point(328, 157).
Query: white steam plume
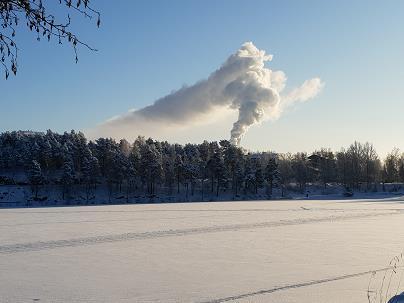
point(242, 83)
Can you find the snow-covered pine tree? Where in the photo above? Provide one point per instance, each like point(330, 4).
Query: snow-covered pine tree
point(151, 166)
point(249, 174)
point(300, 170)
point(229, 160)
point(219, 170)
point(271, 174)
point(238, 177)
point(156, 168)
point(191, 166)
point(95, 171)
point(35, 177)
point(86, 173)
point(46, 154)
point(168, 160)
point(130, 178)
point(124, 147)
point(67, 179)
point(179, 171)
point(204, 155)
point(258, 175)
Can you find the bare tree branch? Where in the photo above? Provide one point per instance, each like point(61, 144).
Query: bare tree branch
point(39, 21)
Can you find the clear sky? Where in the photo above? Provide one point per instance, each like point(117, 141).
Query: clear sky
point(149, 48)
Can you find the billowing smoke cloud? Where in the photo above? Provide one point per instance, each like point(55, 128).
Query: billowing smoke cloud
point(242, 83)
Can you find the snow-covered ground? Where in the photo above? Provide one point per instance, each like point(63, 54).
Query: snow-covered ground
point(266, 251)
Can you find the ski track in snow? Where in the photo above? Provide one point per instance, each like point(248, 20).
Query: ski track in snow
point(96, 221)
point(336, 210)
point(293, 286)
point(190, 210)
point(46, 245)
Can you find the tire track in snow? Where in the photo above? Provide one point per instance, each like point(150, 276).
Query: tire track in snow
point(293, 286)
point(45, 245)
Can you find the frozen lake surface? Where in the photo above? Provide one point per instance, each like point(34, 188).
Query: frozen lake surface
point(267, 251)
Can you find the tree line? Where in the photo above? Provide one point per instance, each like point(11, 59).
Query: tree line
point(202, 171)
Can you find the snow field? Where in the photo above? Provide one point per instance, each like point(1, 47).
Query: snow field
point(268, 251)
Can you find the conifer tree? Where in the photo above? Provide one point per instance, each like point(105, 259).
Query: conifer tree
point(35, 177)
point(271, 174)
point(67, 177)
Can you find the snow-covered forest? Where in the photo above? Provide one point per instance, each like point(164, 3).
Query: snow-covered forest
point(74, 168)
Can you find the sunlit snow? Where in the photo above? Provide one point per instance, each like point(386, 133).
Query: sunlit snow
point(269, 251)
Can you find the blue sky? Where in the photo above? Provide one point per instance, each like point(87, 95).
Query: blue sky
point(149, 48)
